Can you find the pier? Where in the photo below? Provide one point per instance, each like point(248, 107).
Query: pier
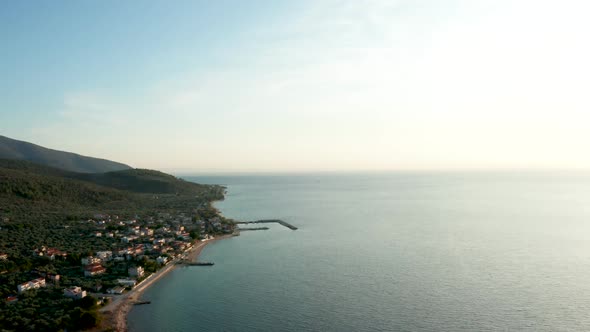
point(254, 229)
point(142, 302)
point(268, 221)
point(189, 263)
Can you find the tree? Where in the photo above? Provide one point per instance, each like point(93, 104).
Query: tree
point(195, 234)
point(89, 319)
point(88, 302)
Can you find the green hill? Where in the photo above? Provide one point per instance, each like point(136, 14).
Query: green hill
point(134, 180)
point(28, 189)
point(143, 181)
point(20, 150)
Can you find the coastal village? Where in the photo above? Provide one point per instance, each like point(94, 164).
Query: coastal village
point(137, 247)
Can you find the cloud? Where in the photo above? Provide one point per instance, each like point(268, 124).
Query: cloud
point(378, 84)
point(92, 109)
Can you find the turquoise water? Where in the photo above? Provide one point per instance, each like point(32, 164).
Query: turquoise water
point(390, 252)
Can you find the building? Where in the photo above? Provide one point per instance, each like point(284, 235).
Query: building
point(146, 232)
point(94, 269)
point(52, 253)
point(104, 255)
point(116, 290)
point(90, 260)
point(33, 284)
point(136, 271)
point(3, 257)
point(127, 282)
point(53, 277)
point(11, 299)
point(74, 292)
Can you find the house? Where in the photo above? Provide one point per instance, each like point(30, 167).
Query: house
point(136, 271)
point(116, 290)
point(74, 292)
point(11, 299)
point(127, 282)
point(52, 253)
point(138, 250)
point(53, 277)
point(146, 232)
point(90, 260)
point(39, 252)
point(129, 238)
point(162, 260)
point(94, 269)
point(33, 284)
point(104, 255)
point(3, 257)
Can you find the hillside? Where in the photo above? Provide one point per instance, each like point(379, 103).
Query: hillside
point(143, 181)
point(44, 209)
point(134, 180)
point(31, 189)
point(20, 150)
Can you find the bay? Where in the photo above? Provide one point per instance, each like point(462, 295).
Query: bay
point(406, 251)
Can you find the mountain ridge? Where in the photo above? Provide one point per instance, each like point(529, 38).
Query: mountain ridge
point(22, 150)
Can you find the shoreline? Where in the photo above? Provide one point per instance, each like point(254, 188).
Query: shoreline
point(115, 313)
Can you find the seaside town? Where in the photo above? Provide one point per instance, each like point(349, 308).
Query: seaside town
point(131, 250)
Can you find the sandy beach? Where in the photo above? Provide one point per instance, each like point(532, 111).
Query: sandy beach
point(115, 313)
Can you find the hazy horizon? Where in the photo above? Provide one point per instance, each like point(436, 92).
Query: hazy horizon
point(301, 86)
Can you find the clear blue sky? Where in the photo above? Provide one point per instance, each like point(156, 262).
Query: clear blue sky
point(300, 85)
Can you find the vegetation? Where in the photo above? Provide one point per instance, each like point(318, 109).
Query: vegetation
point(28, 190)
point(48, 310)
point(48, 207)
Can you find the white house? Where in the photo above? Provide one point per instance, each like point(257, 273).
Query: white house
point(90, 260)
point(127, 282)
point(104, 255)
point(116, 290)
point(35, 283)
point(74, 292)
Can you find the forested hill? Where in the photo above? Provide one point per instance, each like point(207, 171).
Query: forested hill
point(26, 186)
point(20, 150)
point(134, 180)
point(143, 181)
point(44, 208)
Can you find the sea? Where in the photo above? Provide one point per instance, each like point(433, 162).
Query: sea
point(401, 251)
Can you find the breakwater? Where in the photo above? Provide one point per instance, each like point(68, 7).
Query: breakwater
point(189, 263)
point(142, 302)
point(253, 229)
point(268, 221)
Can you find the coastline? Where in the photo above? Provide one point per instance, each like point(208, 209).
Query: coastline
point(115, 313)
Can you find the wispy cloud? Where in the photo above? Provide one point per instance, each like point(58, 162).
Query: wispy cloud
point(92, 109)
point(376, 84)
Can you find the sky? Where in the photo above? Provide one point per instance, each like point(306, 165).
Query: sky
point(307, 85)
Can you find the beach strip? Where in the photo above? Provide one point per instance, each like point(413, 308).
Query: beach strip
point(115, 313)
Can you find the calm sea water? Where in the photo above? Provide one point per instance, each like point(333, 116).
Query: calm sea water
point(390, 252)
